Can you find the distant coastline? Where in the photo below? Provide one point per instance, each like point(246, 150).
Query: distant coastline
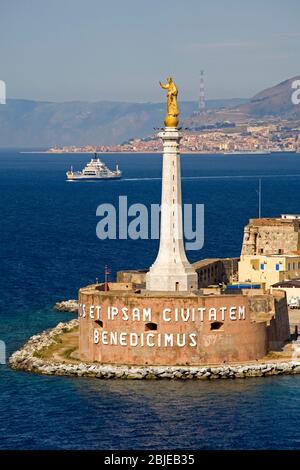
point(186, 152)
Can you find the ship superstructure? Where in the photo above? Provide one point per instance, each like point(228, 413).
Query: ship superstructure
point(94, 170)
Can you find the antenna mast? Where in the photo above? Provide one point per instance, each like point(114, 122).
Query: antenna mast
point(259, 198)
point(202, 94)
point(106, 277)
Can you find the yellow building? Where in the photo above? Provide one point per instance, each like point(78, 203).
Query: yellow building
point(268, 270)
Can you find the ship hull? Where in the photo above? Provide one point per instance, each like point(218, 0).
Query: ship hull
point(93, 178)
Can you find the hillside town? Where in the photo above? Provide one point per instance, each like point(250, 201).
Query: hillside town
point(257, 138)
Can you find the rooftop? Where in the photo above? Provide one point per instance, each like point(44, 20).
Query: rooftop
point(268, 221)
point(290, 216)
point(120, 289)
point(290, 283)
point(205, 262)
point(292, 255)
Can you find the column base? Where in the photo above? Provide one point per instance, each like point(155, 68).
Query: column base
point(184, 282)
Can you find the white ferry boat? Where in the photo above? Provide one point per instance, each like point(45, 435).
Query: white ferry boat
point(94, 170)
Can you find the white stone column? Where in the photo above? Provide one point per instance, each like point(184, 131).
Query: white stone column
point(171, 270)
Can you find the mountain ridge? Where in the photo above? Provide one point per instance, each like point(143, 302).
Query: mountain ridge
point(272, 102)
point(30, 123)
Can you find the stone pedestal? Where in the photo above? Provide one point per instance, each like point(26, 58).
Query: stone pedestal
point(171, 270)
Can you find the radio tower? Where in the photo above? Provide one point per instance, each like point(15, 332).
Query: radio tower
point(202, 95)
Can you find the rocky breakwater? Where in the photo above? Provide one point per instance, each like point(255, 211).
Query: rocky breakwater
point(28, 359)
point(66, 306)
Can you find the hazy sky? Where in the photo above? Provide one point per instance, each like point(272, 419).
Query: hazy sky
point(119, 49)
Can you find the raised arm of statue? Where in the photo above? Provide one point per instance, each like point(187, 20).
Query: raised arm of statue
point(166, 87)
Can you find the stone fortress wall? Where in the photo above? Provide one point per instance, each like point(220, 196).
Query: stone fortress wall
point(268, 236)
point(183, 329)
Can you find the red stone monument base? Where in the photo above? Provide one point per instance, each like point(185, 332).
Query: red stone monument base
point(124, 327)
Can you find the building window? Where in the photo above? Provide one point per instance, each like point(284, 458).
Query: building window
point(262, 266)
point(280, 251)
point(151, 326)
point(216, 325)
point(261, 250)
point(289, 266)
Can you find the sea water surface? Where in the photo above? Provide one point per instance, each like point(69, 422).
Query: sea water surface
point(49, 248)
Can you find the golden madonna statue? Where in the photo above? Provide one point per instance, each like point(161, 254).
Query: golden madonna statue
point(171, 119)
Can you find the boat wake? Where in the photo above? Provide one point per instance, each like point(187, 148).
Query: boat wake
point(215, 177)
point(189, 178)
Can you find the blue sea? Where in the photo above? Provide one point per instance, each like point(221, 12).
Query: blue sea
point(49, 249)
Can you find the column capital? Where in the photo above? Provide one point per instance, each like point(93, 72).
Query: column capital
point(171, 133)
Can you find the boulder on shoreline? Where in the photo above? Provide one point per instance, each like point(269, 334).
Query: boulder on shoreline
point(66, 306)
